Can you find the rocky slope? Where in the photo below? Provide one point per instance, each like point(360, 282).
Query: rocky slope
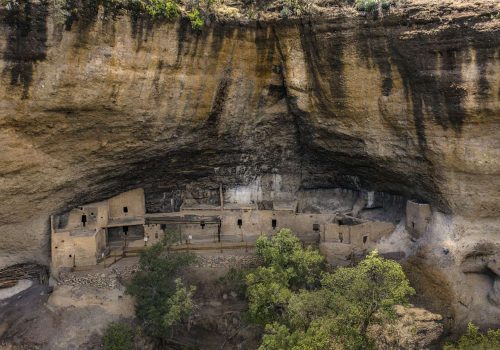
point(407, 103)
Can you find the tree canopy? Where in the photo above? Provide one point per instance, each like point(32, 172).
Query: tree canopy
point(162, 301)
point(304, 307)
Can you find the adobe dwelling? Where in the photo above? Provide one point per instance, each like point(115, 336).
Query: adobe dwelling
point(86, 235)
point(351, 236)
point(418, 216)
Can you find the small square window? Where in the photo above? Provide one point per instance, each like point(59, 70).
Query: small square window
point(316, 227)
point(125, 209)
point(240, 222)
point(274, 223)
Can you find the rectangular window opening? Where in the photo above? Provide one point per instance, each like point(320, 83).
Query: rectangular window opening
point(240, 222)
point(274, 223)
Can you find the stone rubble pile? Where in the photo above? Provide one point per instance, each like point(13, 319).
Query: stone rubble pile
point(125, 273)
point(97, 280)
point(111, 278)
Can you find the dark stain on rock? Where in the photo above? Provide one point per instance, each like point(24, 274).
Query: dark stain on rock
point(372, 44)
point(483, 56)
point(323, 58)
point(26, 42)
point(141, 26)
point(220, 97)
point(182, 33)
point(437, 96)
point(82, 11)
point(275, 93)
point(266, 49)
point(157, 89)
point(136, 21)
point(218, 31)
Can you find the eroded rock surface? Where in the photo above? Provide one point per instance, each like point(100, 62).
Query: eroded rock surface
point(407, 104)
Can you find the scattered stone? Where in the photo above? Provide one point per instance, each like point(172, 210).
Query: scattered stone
point(96, 280)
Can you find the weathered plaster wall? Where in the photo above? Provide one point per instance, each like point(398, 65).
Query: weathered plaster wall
point(132, 200)
point(407, 104)
point(70, 250)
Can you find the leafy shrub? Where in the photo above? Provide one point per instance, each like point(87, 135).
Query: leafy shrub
point(295, 7)
point(373, 5)
point(161, 301)
point(119, 336)
point(162, 8)
point(195, 18)
point(474, 339)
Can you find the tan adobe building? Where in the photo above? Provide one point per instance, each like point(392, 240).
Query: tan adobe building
point(418, 216)
point(86, 235)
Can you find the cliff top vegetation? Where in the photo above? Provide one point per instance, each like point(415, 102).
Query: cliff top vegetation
point(203, 12)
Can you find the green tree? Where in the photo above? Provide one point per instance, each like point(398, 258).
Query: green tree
point(370, 289)
point(119, 336)
point(268, 294)
point(287, 266)
point(161, 301)
point(179, 305)
point(284, 251)
point(334, 314)
point(473, 339)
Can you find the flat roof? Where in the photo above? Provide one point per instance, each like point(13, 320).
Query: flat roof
point(125, 221)
point(82, 232)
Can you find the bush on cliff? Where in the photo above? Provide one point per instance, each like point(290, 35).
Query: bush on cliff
point(162, 8)
point(474, 339)
point(304, 307)
point(374, 5)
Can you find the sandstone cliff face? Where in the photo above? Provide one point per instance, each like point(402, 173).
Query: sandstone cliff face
point(407, 104)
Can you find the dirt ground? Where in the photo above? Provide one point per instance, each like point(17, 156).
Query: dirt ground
point(69, 318)
point(82, 303)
